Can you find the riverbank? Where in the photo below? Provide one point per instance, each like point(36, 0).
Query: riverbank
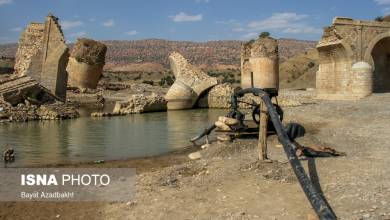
point(229, 183)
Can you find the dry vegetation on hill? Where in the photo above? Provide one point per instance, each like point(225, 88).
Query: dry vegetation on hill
point(147, 60)
point(299, 71)
point(212, 53)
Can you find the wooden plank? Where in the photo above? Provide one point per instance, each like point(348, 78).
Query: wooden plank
point(262, 144)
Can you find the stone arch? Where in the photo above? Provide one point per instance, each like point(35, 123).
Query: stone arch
point(378, 54)
point(333, 78)
point(367, 55)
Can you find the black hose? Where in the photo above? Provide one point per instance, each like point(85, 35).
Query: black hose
point(206, 131)
point(318, 203)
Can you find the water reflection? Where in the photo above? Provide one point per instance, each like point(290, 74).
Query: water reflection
point(89, 139)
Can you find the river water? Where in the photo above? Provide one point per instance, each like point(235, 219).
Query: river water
point(91, 139)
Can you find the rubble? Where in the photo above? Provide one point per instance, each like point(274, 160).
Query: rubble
point(57, 111)
point(17, 90)
point(190, 83)
point(140, 103)
point(27, 112)
point(103, 114)
point(86, 63)
point(218, 96)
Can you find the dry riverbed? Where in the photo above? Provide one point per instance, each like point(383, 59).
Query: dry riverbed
point(229, 183)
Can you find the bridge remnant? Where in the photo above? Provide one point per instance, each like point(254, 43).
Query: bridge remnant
point(260, 63)
point(190, 83)
point(43, 55)
point(86, 63)
point(354, 59)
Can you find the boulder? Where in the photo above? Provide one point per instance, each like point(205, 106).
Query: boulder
point(195, 156)
point(140, 103)
point(190, 83)
point(228, 121)
point(222, 126)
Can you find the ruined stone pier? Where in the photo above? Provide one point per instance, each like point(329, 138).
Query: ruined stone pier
point(260, 63)
point(190, 83)
point(86, 63)
point(43, 55)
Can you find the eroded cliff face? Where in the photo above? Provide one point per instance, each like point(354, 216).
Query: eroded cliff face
point(189, 85)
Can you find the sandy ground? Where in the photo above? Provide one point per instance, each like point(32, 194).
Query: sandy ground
point(229, 183)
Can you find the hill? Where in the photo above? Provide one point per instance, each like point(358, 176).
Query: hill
point(212, 54)
point(299, 71)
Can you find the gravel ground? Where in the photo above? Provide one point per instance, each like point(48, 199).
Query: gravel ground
point(229, 183)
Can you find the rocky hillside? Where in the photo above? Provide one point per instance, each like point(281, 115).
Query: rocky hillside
point(8, 50)
point(212, 54)
point(299, 71)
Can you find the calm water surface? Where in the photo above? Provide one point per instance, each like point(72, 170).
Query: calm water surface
point(90, 139)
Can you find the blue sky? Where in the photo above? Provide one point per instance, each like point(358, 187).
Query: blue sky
point(192, 20)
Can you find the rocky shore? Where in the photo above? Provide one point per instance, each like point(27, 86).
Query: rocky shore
point(173, 186)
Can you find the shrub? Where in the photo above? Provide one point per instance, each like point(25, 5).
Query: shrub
point(379, 18)
point(264, 34)
point(150, 82)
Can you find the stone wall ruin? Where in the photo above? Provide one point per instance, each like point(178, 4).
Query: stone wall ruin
point(30, 43)
point(354, 59)
point(43, 55)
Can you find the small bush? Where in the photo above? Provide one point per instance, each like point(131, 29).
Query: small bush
point(264, 34)
point(138, 77)
point(167, 81)
point(150, 82)
point(379, 18)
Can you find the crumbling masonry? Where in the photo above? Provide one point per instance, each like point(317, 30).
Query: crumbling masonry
point(354, 59)
point(260, 63)
point(43, 55)
point(86, 63)
point(190, 83)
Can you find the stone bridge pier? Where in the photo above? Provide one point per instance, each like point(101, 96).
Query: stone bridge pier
point(354, 59)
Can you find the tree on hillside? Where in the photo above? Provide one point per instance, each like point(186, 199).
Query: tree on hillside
point(264, 34)
point(379, 18)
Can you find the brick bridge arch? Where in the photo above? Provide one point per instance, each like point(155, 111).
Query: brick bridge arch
point(358, 42)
